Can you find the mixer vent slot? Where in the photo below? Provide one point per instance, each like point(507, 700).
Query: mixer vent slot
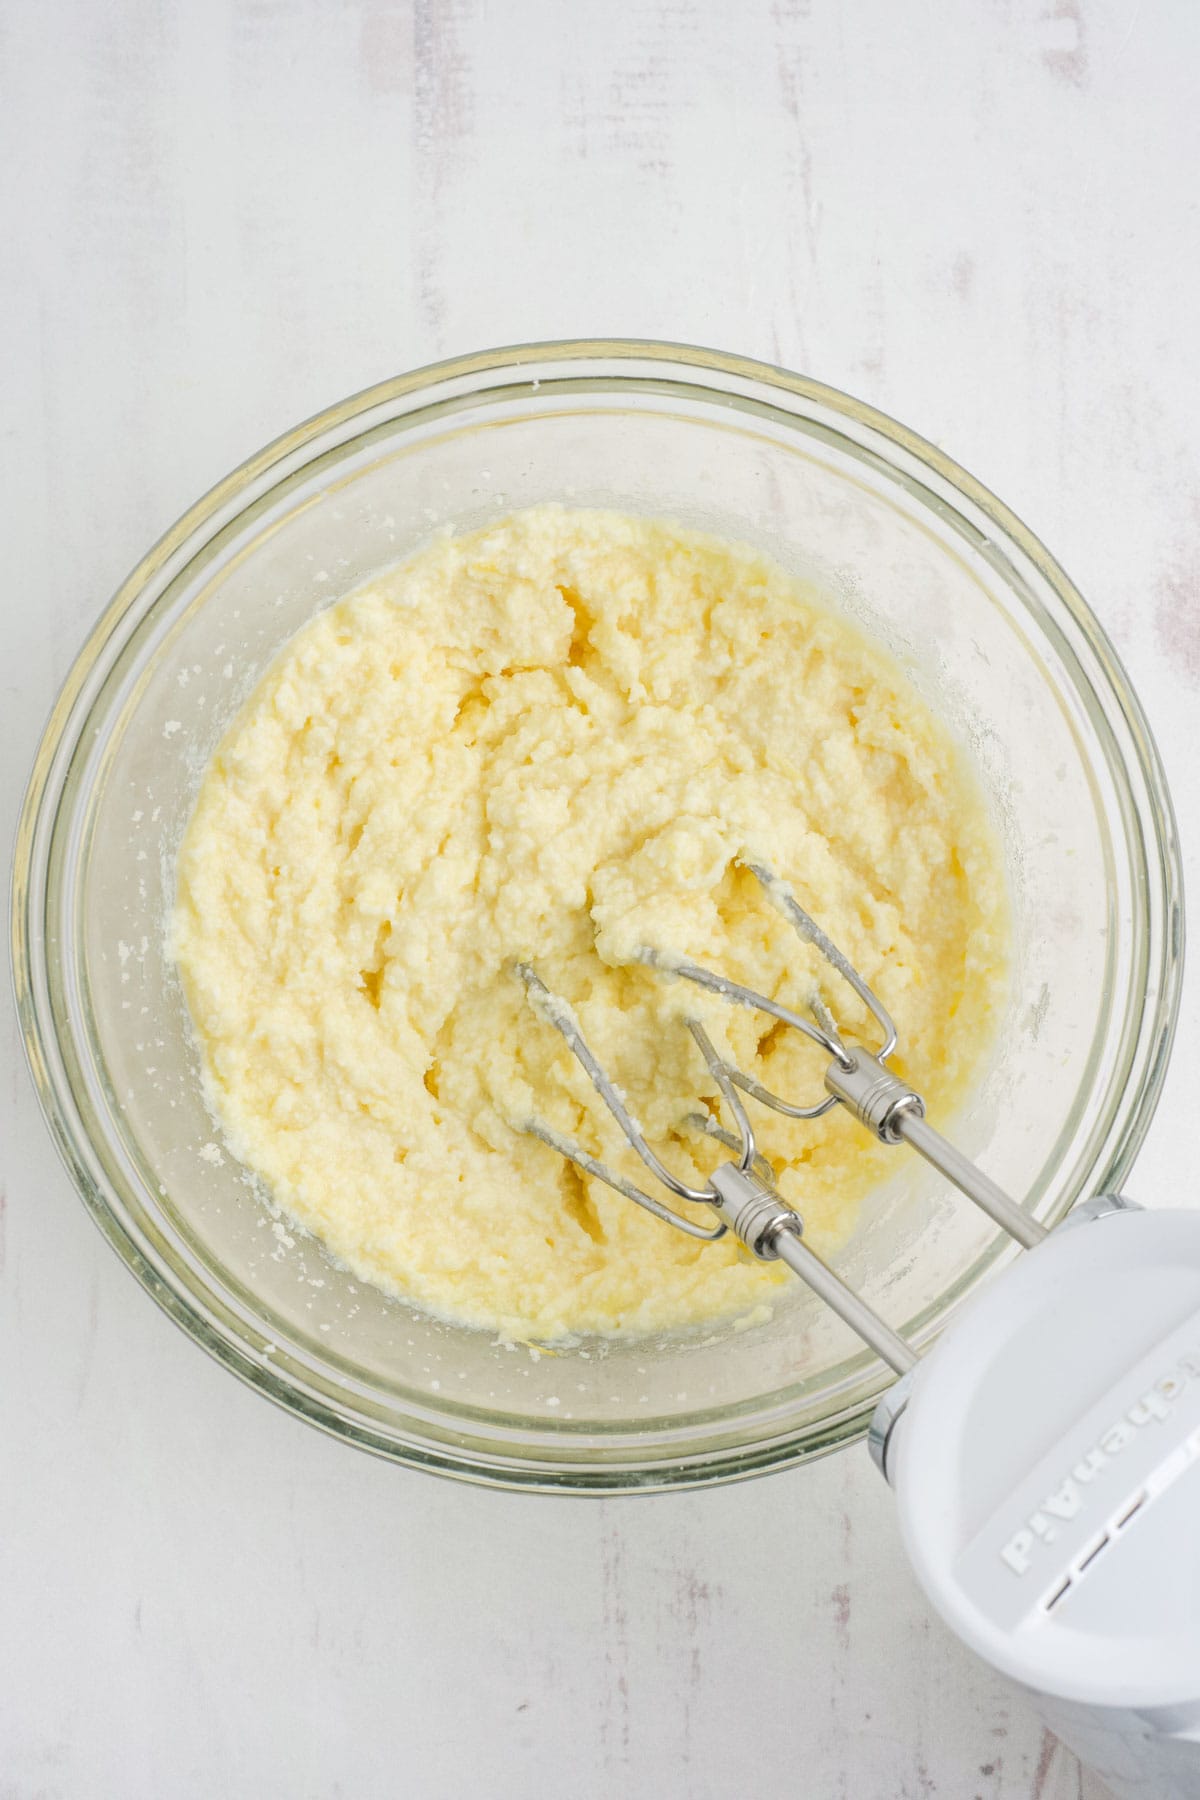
point(1054, 1598)
point(1091, 1555)
point(1133, 1507)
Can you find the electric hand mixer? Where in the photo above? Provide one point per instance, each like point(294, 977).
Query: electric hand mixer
point(1054, 1522)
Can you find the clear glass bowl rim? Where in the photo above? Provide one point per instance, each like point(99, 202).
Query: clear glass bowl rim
point(525, 1458)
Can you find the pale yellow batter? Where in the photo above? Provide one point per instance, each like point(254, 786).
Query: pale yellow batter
point(553, 740)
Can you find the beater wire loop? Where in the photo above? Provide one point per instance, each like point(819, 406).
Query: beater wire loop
point(821, 1028)
point(556, 1012)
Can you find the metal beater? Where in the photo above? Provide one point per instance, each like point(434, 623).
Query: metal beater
point(741, 1191)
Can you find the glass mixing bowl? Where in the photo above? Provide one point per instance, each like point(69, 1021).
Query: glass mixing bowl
point(995, 638)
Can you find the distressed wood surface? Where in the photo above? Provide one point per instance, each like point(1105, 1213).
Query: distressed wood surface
point(220, 215)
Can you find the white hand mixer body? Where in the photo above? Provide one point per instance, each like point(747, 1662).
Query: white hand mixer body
point(1045, 1453)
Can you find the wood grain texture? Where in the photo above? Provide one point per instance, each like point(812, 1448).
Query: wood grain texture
point(220, 215)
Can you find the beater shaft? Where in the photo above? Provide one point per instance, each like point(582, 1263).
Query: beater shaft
point(886, 1105)
point(874, 1331)
point(770, 1229)
point(969, 1179)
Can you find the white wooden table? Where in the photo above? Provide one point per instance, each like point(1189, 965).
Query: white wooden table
point(221, 215)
